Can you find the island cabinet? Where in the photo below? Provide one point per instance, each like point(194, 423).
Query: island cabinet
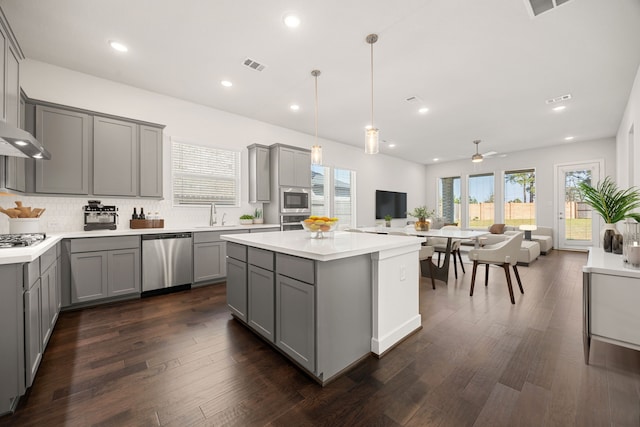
point(104, 268)
point(11, 336)
point(261, 292)
point(237, 280)
point(209, 255)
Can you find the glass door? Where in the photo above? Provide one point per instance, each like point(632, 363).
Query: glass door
point(578, 227)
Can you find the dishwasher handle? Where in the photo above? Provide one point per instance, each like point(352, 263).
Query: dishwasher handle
point(166, 236)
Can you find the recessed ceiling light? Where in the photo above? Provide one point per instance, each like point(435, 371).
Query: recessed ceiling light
point(226, 83)
point(391, 145)
point(568, 138)
point(118, 46)
point(436, 159)
point(291, 21)
point(294, 107)
point(21, 143)
point(423, 110)
point(559, 108)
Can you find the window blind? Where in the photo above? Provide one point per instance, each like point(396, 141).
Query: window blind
point(204, 175)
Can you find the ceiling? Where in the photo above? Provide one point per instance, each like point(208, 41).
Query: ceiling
point(483, 68)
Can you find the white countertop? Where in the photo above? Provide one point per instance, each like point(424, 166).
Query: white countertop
point(343, 244)
point(608, 263)
point(30, 253)
point(447, 232)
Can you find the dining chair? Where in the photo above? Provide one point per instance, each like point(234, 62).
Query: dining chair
point(503, 254)
point(426, 254)
point(440, 246)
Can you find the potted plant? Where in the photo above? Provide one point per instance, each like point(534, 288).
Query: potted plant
point(422, 213)
point(612, 204)
point(246, 219)
point(387, 220)
point(257, 216)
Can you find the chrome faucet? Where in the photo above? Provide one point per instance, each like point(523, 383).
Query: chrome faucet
point(223, 215)
point(213, 220)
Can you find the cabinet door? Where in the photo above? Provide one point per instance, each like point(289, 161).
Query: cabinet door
point(150, 161)
point(123, 274)
point(115, 157)
point(3, 68)
point(302, 169)
point(259, 175)
point(15, 173)
point(12, 94)
point(33, 343)
point(209, 261)
point(65, 134)
point(88, 276)
point(11, 335)
point(261, 293)
point(45, 310)
point(286, 167)
point(295, 324)
point(237, 287)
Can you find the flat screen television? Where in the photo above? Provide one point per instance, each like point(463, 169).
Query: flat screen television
point(391, 203)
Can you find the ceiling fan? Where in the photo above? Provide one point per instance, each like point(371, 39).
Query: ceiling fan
point(477, 157)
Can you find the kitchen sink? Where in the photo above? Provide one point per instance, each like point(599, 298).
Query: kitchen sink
point(216, 227)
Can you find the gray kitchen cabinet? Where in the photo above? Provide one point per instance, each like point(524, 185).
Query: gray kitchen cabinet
point(237, 280)
point(209, 255)
point(294, 167)
point(150, 161)
point(12, 89)
point(264, 230)
point(11, 336)
point(3, 72)
point(15, 172)
point(295, 320)
point(66, 135)
point(260, 298)
point(259, 174)
point(115, 157)
point(104, 267)
point(32, 318)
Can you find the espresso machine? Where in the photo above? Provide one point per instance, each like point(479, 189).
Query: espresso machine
point(100, 217)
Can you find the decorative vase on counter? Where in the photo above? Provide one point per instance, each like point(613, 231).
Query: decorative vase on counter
point(422, 224)
point(387, 223)
point(631, 244)
point(608, 233)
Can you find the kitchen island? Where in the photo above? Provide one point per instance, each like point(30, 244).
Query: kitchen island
point(325, 303)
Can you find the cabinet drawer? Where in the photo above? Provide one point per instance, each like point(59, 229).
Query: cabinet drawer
point(48, 258)
point(237, 251)
point(213, 236)
point(297, 268)
point(261, 258)
point(31, 273)
point(92, 244)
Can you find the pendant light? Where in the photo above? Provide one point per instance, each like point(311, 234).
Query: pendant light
point(316, 150)
point(477, 158)
point(371, 135)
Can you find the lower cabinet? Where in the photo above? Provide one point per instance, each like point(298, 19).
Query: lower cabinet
point(209, 255)
point(295, 320)
point(104, 267)
point(260, 290)
point(237, 287)
point(33, 325)
point(11, 336)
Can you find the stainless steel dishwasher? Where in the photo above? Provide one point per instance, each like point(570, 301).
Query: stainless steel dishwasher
point(167, 260)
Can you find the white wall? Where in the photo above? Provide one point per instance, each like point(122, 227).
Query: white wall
point(196, 123)
point(543, 160)
point(628, 140)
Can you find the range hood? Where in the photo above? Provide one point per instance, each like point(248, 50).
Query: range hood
point(19, 143)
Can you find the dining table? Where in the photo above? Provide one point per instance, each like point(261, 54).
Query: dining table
point(439, 272)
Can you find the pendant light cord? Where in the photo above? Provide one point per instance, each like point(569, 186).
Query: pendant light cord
point(316, 76)
point(372, 127)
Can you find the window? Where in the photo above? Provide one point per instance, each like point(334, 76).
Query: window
point(333, 194)
point(481, 200)
point(449, 199)
point(519, 197)
point(204, 175)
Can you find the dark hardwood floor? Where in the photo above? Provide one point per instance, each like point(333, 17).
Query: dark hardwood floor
point(181, 360)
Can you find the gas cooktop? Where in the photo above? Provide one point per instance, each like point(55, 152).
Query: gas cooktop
point(17, 240)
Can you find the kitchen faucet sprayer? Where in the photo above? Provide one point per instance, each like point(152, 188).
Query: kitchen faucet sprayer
point(212, 215)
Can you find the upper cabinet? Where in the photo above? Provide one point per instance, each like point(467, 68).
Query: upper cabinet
point(259, 172)
point(95, 154)
point(150, 139)
point(66, 135)
point(115, 157)
point(294, 166)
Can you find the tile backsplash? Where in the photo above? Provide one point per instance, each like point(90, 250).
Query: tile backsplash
point(64, 214)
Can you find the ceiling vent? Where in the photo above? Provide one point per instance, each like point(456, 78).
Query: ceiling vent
point(559, 99)
point(536, 7)
point(414, 99)
point(254, 65)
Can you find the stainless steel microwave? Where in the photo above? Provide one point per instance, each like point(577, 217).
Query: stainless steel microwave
point(295, 200)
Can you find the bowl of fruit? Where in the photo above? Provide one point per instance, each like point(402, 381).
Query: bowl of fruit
point(318, 225)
